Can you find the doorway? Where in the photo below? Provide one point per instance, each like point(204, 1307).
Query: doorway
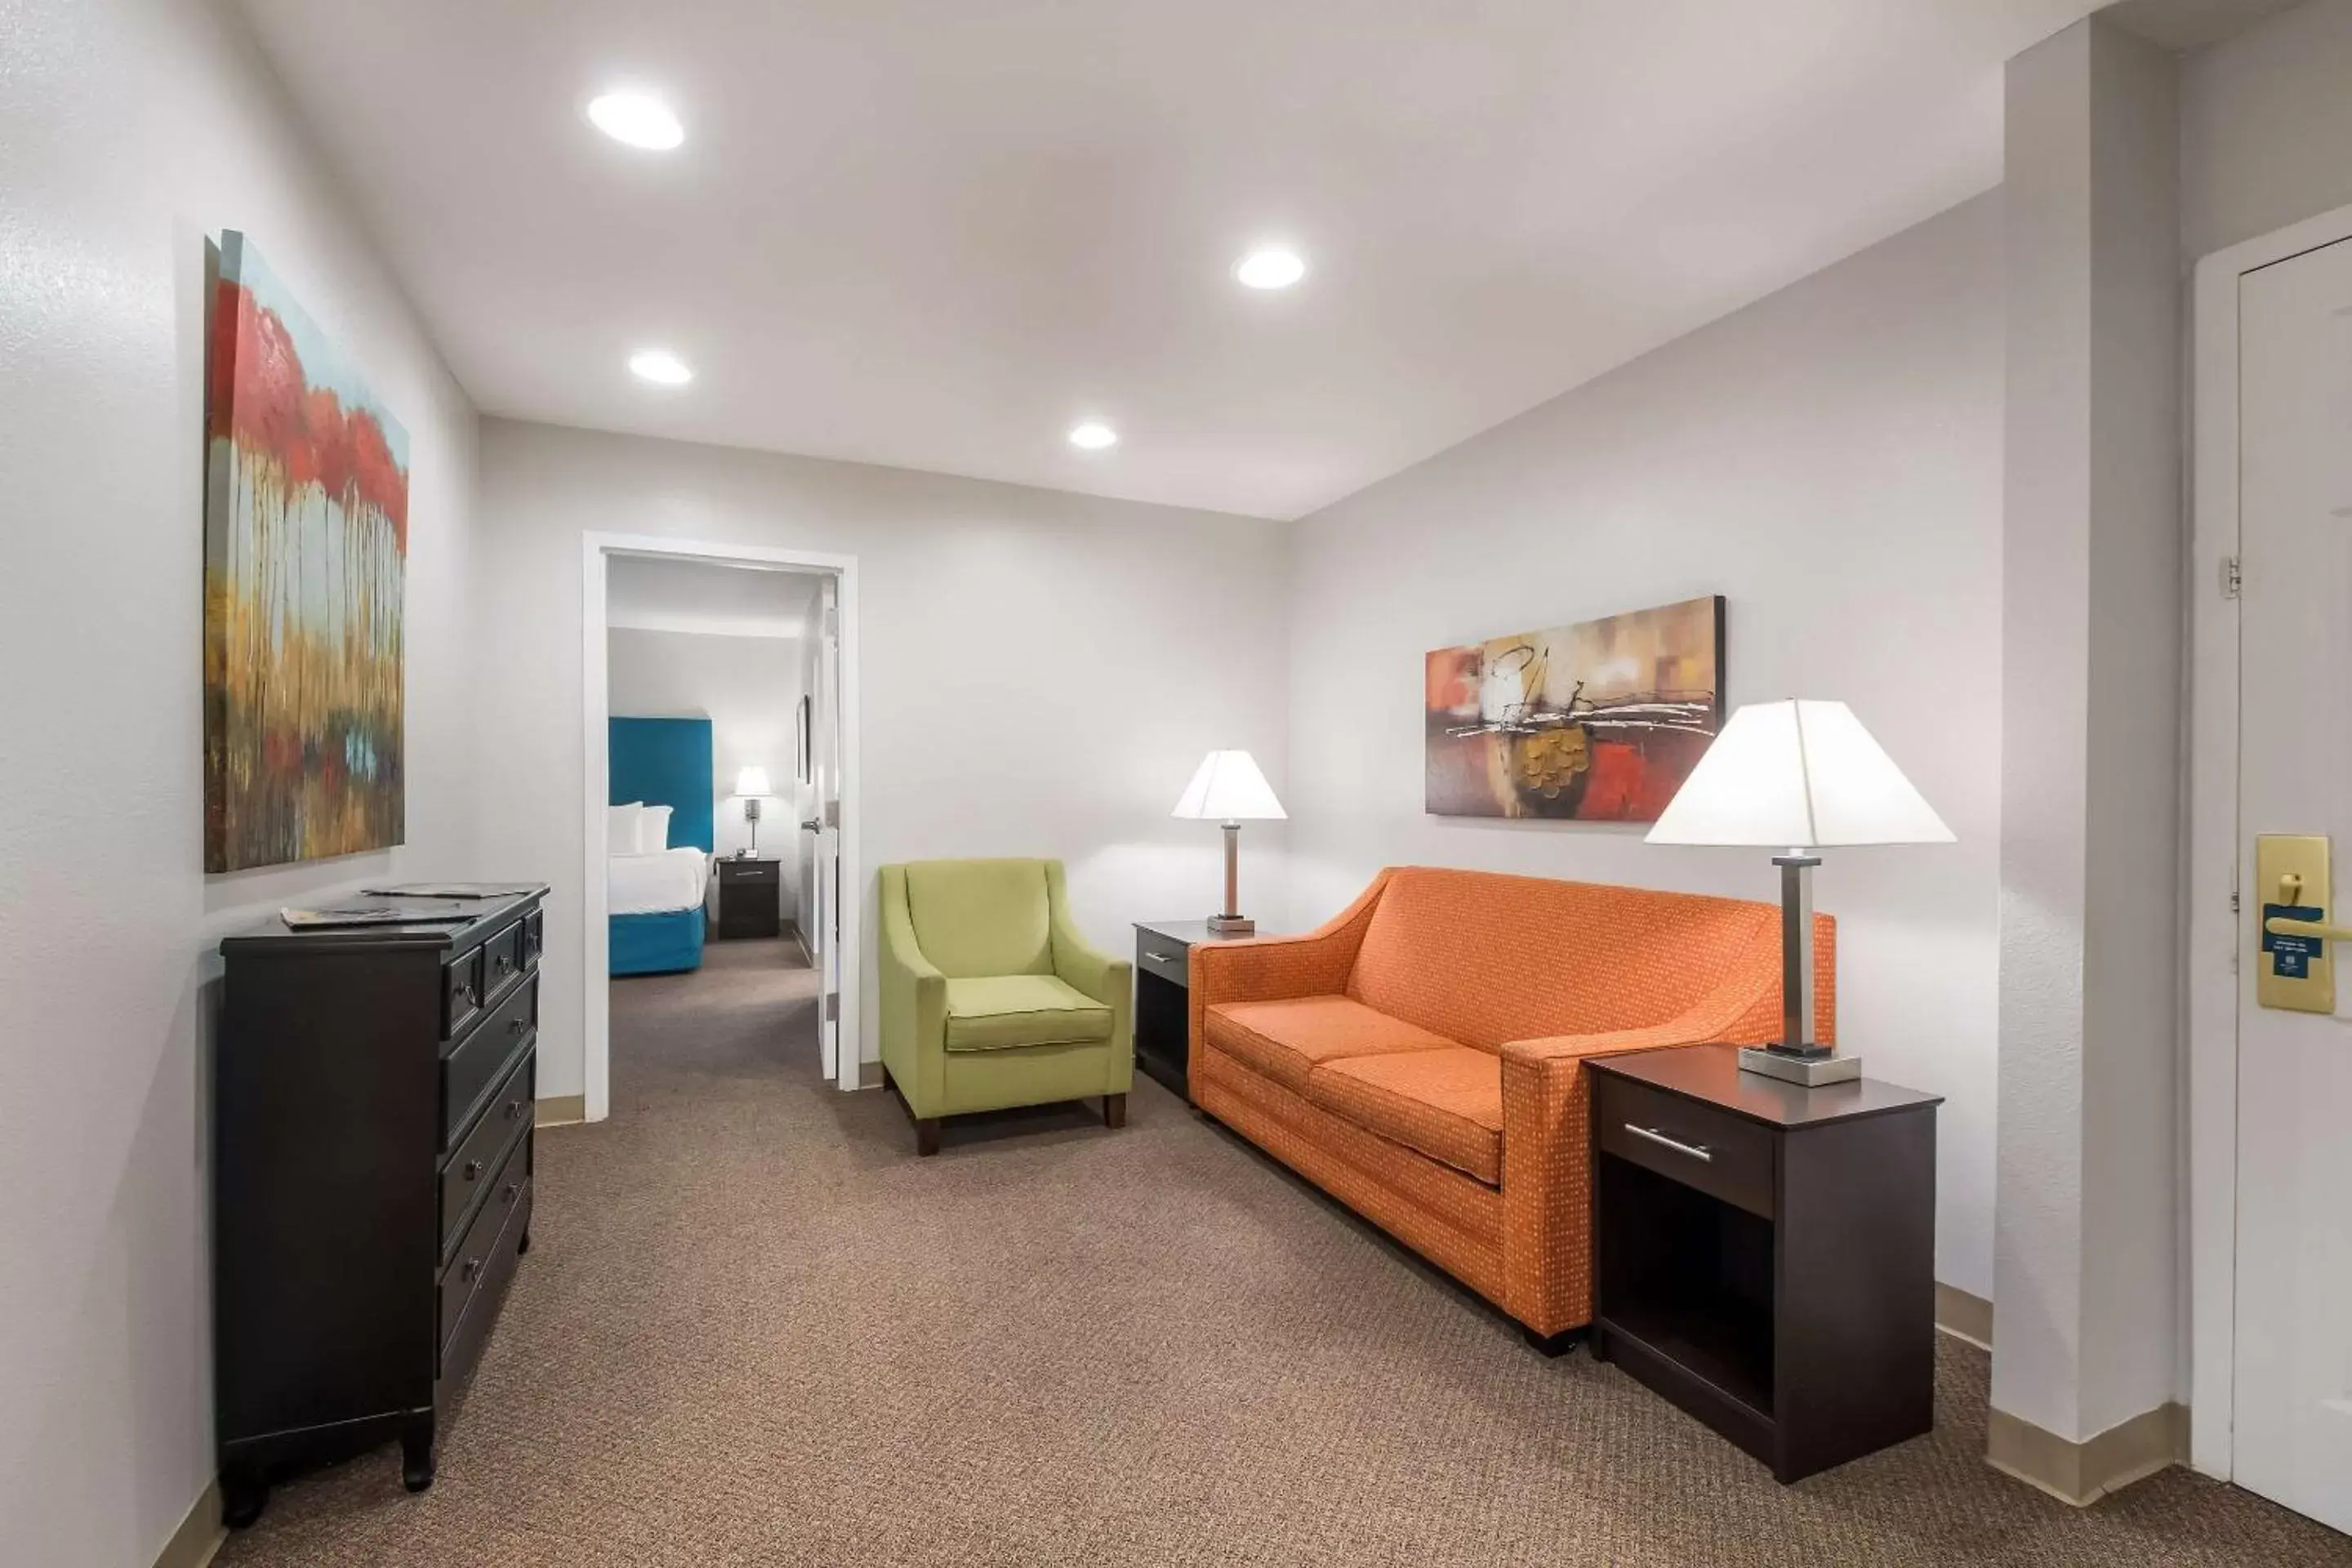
point(802, 804)
point(2271, 1006)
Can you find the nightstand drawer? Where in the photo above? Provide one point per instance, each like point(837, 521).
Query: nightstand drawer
point(1720, 1154)
point(1158, 955)
point(747, 870)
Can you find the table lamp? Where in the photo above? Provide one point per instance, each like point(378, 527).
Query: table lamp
point(752, 784)
point(1228, 787)
point(1807, 777)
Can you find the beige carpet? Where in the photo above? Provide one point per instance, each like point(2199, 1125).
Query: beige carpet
point(753, 1329)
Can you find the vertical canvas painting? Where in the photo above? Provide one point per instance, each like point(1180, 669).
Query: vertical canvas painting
point(306, 544)
point(1597, 721)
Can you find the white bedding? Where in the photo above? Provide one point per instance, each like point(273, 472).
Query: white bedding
point(654, 884)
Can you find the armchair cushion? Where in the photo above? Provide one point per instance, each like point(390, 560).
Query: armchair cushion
point(993, 1013)
point(975, 918)
point(1287, 1040)
point(1446, 1104)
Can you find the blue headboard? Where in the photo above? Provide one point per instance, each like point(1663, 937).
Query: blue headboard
point(666, 761)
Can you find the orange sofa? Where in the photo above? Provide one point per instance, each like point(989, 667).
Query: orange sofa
point(1420, 1057)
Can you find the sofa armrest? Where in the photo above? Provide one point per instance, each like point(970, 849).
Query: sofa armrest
point(1270, 968)
point(914, 996)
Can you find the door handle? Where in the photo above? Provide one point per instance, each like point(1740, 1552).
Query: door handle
point(811, 825)
point(2279, 925)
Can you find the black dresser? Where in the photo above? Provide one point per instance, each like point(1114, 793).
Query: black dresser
point(373, 1099)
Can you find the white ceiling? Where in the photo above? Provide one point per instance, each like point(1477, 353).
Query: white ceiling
point(938, 232)
point(653, 593)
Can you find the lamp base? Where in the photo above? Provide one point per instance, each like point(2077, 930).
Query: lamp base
point(1807, 1070)
point(1232, 925)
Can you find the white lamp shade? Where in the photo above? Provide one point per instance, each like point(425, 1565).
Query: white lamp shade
point(1227, 788)
point(1800, 775)
point(752, 781)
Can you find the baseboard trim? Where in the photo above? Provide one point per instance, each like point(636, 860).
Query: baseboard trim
point(200, 1534)
point(2082, 1473)
point(560, 1110)
point(1964, 1316)
point(869, 1075)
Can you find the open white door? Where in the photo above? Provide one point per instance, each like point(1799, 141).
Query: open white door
point(2292, 1377)
point(824, 828)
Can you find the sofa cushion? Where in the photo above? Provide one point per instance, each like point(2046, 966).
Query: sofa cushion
point(1285, 1039)
point(1445, 1103)
point(979, 918)
point(992, 1013)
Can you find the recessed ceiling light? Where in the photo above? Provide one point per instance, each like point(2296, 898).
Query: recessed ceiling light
point(1270, 266)
point(637, 119)
point(1094, 435)
point(661, 367)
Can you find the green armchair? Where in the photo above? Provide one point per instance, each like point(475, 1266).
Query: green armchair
point(990, 998)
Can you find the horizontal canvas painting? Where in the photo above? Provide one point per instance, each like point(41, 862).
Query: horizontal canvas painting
point(1597, 721)
point(306, 546)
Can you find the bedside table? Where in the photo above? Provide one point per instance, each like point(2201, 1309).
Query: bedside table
point(1162, 997)
point(750, 897)
point(1766, 1253)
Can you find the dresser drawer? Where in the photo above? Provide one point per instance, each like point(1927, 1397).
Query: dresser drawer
point(1159, 955)
point(487, 1242)
point(1699, 1145)
point(534, 938)
point(502, 962)
point(477, 1064)
point(467, 1176)
point(461, 993)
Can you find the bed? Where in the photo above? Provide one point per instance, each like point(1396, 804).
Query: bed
point(656, 901)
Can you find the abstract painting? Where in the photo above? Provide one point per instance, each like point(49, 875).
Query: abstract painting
point(1597, 721)
point(306, 546)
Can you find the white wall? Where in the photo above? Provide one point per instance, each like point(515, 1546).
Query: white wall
point(1830, 459)
point(2266, 127)
point(128, 132)
point(749, 688)
point(1042, 671)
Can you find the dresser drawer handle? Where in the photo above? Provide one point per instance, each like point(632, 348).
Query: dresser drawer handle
point(505, 964)
point(514, 1110)
point(517, 1025)
point(508, 1196)
point(466, 1271)
point(1695, 1151)
point(473, 1169)
point(465, 995)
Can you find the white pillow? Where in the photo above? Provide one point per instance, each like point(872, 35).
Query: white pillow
point(621, 827)
point(653, 829)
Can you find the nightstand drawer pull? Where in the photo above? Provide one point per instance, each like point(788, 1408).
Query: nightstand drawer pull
point(1695, 1151)
point(1158, 957)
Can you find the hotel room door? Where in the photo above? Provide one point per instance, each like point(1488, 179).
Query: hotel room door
point(2293, 1415)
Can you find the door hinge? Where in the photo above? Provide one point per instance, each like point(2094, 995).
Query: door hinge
point(833, 1007)
point(2233, 901)
point(2232, 578)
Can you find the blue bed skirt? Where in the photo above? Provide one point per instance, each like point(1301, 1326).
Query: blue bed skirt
point(669, 943)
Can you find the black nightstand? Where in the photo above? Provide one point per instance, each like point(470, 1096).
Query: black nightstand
point(750, 897)
point(1766, 1253)
point(1163, 951)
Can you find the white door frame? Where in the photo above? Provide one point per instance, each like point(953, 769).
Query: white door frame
point(596, 549)
point(2216, 931)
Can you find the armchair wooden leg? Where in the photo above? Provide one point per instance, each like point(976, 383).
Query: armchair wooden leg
point(926, 1135)
point(1114, 1110)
